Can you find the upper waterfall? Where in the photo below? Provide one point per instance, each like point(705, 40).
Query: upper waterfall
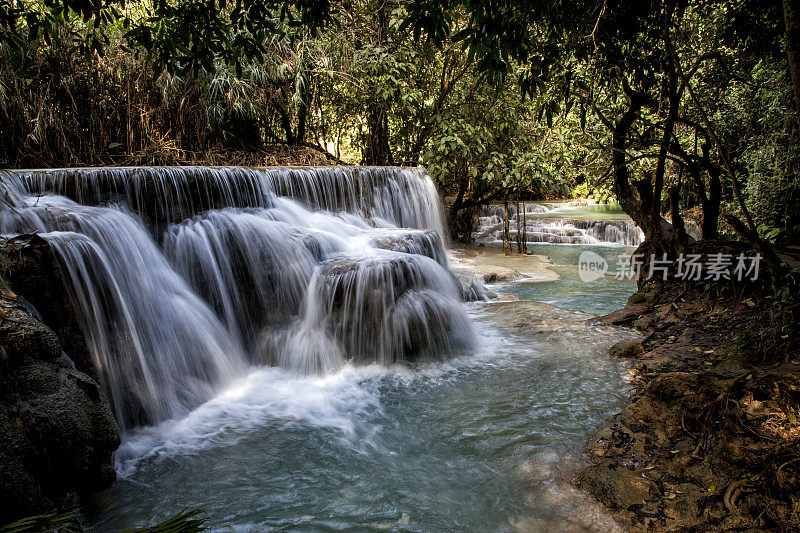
point(182, 278)
point(402, 197)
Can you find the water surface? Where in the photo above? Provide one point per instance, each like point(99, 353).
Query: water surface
point(600, 297)
point(435, 447)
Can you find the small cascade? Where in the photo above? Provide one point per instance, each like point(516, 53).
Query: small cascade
point(185, 278)
point(403, 303)
point(550, 223)
point(497, 212)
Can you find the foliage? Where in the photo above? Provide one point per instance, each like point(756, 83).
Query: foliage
point(44, 523)
point(772, 332)
point(177, 37)
point(759, 115)
point(671, 107)
point(183, 522)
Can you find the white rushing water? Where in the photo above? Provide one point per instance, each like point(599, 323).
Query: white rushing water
point(287, 350)
point(184, 278)
point(387, 196)
point(556, 223)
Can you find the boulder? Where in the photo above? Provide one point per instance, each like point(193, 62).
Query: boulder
point(29, 266)
point(619, 488)
point(410, 241)
point(627, 349)
point(392, 307)
point(57, 431)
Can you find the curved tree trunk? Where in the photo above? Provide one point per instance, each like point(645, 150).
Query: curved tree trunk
point(791, 16)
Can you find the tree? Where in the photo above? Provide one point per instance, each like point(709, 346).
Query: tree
point(791, 11)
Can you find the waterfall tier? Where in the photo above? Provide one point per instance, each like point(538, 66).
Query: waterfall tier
point(185, 277)
point(551, 223)
point(389, 196)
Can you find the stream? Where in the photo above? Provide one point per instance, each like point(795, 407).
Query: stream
point(285, 348)
point(478, 443)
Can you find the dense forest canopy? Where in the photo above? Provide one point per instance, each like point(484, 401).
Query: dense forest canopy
point(677, 109)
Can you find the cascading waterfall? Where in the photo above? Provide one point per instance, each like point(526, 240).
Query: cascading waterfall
point(550, 223)
point(155, 343)
point(388, 196)
point(185, 277)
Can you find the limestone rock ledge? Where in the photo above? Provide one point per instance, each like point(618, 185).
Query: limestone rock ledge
point(57, 431)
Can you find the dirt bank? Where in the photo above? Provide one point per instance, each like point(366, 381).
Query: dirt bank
point(167, 155)
point(710, 440)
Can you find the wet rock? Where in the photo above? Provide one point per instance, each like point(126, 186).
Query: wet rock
point(393, 307)
point(619, 488)
point(57, 432)
point(627, 349)
point(28, 265)
point(23, 335)
point(420, 242)
point(624, 316)
point(476, 291)
point(569, 510)
point(473, 288)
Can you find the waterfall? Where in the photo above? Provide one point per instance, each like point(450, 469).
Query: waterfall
point(388, 196)
point(550, 223)
point(183, 278)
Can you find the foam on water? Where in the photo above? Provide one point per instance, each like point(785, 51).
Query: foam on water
point(286, 349)
point(439, 442)
point(347, 401)
point(183, 278)
point(264, 397)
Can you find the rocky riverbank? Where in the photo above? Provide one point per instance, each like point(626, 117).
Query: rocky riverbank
point(57, 432)
point(710, 440)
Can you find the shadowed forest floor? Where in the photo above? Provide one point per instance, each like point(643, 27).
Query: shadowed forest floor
point(710, 439)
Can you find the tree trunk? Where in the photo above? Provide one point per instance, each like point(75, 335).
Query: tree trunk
point(286, 123)
point(460, 222)
point(791, 17)
point(519, 230)
point(622, 181)
point(678, 225)
point(506, 233)
point(302, 118)
point(711, 206)
point(378, 151)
